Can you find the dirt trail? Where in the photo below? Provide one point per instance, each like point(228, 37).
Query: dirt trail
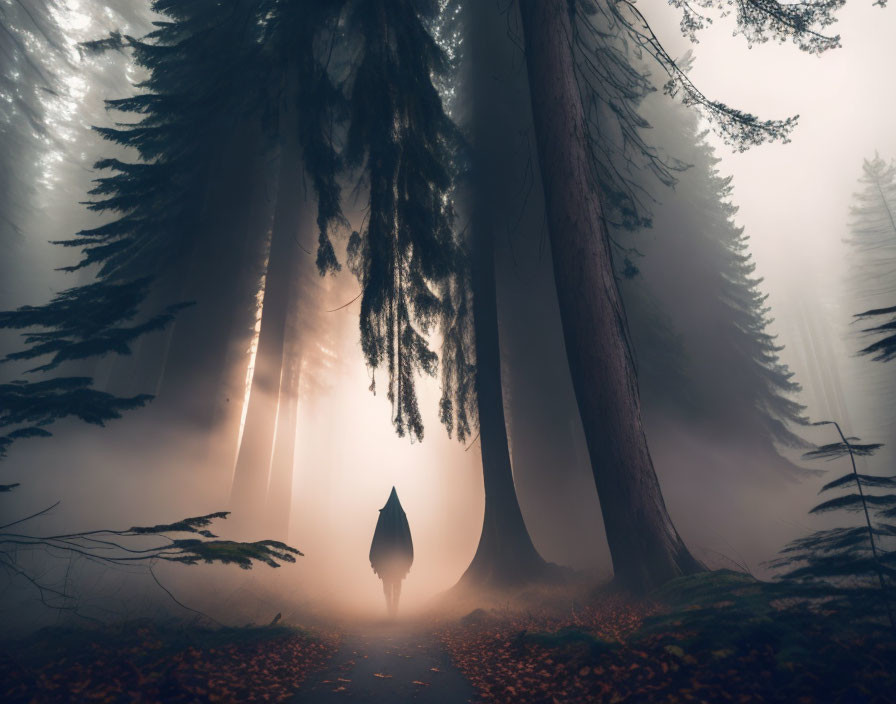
point(386, 664)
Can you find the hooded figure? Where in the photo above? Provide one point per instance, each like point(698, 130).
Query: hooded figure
point(392, 551)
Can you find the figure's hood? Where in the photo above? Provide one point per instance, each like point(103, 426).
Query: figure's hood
point(393, 504)
point(392, 549)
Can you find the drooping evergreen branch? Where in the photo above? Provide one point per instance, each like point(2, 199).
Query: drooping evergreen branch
point(630, 170)
point(612, 89)
point(28, 408)
point(136, 546)
point(403, 140)
point(300, 39)
point(883, 349)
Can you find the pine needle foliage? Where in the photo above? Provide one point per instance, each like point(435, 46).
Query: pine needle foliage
point(458, 407)
point(873, 241)
point(298, 43)
point(854, 566)
point(403, 141)
point(202, 81)
point(86, 321)
point(27, 408)
point(136, 546)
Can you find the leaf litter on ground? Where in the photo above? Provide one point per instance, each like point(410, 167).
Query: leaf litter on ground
point(716, 637)
point(149, 662)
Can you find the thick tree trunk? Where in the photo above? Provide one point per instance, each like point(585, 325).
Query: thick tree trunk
point(253, 465)
point(505, 554)
point(644, 545)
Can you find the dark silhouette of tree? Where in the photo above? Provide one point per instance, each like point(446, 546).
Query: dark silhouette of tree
point(401, 135)
point(191, 213)
point(873, 241)
point(189, 105)
point(505, 554)
point(305, 102)
point(136, 546)
point(225, 89)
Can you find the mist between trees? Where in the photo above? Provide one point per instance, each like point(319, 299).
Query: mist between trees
point(517, 204)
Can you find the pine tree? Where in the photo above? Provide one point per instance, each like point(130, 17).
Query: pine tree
point(727, 377)
point(306, 102)
point(24, 70)
point(871, 290)
point(190, 210)
point(191, 221)
point(505, 554)
point(189, 103)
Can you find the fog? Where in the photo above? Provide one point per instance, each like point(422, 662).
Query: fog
point(794, 199)
point(733, 497)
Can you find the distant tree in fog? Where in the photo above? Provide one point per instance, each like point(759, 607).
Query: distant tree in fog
point(24, 72)
point(700, 321)
point(872, 238)
point(870, 291)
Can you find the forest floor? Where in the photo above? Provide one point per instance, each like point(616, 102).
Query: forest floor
point(717, 637)
point(389, 663)
point(721, 637)
point(145, 661)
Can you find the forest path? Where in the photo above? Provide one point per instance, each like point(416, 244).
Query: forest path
point(388, 663)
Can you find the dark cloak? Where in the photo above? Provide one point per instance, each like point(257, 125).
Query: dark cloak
point(392, 550)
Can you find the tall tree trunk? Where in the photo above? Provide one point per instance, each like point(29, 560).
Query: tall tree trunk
point(253, 464)
point(645, 547)
point(217, 278)
point(231, 390)
point(279, 502)
point(505, 554)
